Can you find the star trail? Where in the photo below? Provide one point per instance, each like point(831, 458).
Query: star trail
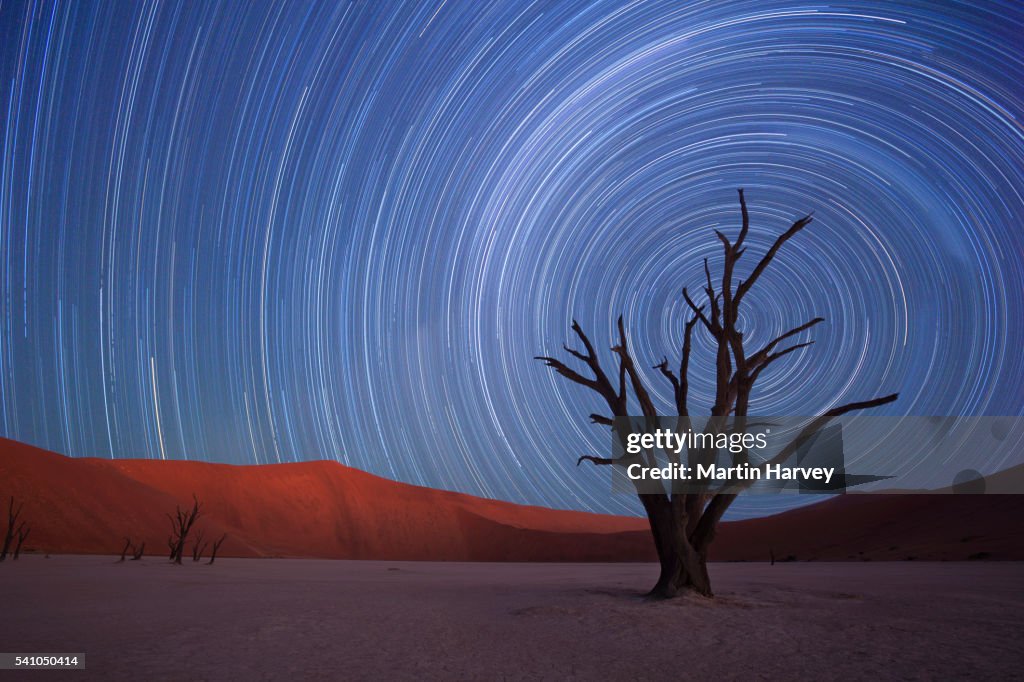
point(275, 231)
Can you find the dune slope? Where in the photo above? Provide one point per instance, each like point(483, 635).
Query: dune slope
point(327, 510)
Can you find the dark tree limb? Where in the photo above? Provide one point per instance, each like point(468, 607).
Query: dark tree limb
point(759, 356)
point(669, 374)
point(124, 552)
point(759, 269)
point(595, 364)
point(181, 524)
point(23, 531)
point(13, 513)
point(600, 384)
point(681, 384)
point(772, 357)
point(709, 289)
point(698, 311)
point(216, 546)
point(570, 374)
point(682, 394)
point(198, 547)
point(745, 226)
point(599, 461)
point(639, 390)
point(720, 503)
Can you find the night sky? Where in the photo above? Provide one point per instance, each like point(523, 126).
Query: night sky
point(265, 232)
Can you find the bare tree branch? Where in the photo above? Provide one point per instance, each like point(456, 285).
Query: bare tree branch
point(124, 552)
point(216, 546)
point(757, 357)
point(23, 531)
point(591, 358)
point(704, 533)
point(772, 357)
point(570, 374)
point(13, 513)
point(599, 461)
point(716, 313)
point(639, 390)
point(682, 394)
point(745, 286)
point(698, 311)
point(616, 400)
point(745, 227)
point(181, 524)
point(669, 374)
point(198, 546)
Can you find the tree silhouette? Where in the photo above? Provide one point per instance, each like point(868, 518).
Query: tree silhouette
point(124, 551)
point(23, 531)
point(216, 546)
point(181, 524)
point(683, 522)
point(14, 529)
point(137, 550)
point(199, 546)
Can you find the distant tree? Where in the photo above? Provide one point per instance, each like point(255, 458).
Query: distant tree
point(216, 546)
point(181, 524)
point(23, 531)
point(199, 546)
point(683, 523)
point(14, 529)
point(136, 550)
point(124, 551)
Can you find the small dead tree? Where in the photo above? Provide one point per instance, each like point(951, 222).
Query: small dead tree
point(683, 523)
point(13, 528)
point(23, 531)
point(199, 547)
point(181, 524)
point(216, 546)
point(124, 552)
point(136, 550)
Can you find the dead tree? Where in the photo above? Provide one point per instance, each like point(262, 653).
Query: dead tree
point(199, 547)
point(13, 513)
point(124, 552)
point(682, 522)
point(136, 550)
point(216, 546)
point(181, 524)
point(23, 531)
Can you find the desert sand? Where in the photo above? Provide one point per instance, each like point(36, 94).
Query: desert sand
point(252, 619)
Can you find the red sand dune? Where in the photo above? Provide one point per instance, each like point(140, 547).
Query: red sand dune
point(325, 509)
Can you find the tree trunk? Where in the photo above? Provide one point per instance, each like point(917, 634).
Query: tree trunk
point(683, 568)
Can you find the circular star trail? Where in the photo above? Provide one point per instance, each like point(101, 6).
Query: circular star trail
point(263, 232)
